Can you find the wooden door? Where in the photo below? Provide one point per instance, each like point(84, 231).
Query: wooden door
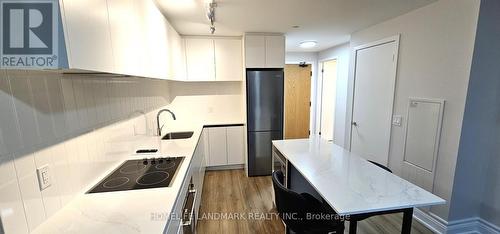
point(297, 101)
point(374, 81)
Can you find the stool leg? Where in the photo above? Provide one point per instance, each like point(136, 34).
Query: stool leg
point(407, 218)
point(353, 226)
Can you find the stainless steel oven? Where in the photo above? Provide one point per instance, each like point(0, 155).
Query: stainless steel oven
point(280, 163)
point(188, 211)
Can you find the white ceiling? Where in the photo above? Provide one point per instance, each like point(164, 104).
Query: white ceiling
point(329, 22)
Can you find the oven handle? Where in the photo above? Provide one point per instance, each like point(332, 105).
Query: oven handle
point(190, 221)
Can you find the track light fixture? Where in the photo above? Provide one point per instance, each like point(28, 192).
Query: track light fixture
point(211, 15)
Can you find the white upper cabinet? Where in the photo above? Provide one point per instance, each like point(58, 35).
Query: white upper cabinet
point(87, 37)
point(154, 39)
point(130, 37)
point(200, 59)
point(126, 37)
point(255, 51)
point(265, 51)
point(275, 51)
point(228, 60)
point(214, 59)
point(177, 56)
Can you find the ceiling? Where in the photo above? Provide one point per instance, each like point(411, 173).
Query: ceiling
point(329, 22)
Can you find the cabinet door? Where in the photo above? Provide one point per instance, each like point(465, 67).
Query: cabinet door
point(217, 142)
point(275, 51)
point(126, 30)
point(235, 145)
point(200, 59)
point(206, 146)
point(177, 57)
point(228, 60)
point(255, 51)
point(154, 39)
point(88, 39)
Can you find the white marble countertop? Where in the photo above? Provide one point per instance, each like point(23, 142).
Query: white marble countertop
point(131, 211)
point(349, 183)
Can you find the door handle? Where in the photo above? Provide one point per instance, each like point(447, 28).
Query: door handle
point(354, 124)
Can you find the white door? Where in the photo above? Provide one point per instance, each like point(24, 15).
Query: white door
point(328, 97)
point(374, 81)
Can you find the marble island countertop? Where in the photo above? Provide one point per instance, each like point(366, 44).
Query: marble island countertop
point(349, 183)
point(132, 211)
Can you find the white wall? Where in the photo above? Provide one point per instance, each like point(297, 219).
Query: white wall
point(74, 123)
point(206, 101)
point(476, 190)
point(435, 57)
point(341, 53)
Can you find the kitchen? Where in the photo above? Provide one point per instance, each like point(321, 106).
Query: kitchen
point(173, 116)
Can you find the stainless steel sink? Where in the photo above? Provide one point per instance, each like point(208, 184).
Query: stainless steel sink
point(177, 135)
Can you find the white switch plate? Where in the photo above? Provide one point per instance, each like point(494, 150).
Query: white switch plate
point(43, 177)
point(397, 120)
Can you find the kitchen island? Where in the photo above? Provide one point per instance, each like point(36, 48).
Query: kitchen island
point(351, 185)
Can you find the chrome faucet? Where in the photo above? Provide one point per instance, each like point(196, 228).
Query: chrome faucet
point(158, 119)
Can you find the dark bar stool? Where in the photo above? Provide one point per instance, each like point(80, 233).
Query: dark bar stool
point(293, 209)
point(353, 221)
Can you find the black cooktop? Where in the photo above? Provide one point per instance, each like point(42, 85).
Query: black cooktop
point(140, 174)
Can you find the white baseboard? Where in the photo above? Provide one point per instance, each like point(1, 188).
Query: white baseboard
point(225, 167)
point(472, 225)
point(430, 220)
point(464, 226)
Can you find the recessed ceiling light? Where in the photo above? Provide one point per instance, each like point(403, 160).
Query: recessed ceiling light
point(308, 44)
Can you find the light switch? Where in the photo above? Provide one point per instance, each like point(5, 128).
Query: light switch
point(396, 120)
point(43, 177)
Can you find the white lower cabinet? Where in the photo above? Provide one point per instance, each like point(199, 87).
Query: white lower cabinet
point(235, 145)
point(217, 145)
point(226, 146)
point(193, 183)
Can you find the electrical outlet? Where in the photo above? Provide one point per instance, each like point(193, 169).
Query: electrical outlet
point(43, 177)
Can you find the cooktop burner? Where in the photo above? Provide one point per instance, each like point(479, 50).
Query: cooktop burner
point(140, 174)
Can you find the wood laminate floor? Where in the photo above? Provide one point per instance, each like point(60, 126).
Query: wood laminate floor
point(235, 203)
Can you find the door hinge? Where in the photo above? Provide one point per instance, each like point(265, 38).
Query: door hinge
point(309, 132)
point(311, 73)
point(320, 133)
point(322, 70)
point(309, 103)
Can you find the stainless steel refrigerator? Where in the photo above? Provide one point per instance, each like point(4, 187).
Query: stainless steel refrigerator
point(264, 117)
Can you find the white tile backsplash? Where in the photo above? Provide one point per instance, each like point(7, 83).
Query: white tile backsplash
point(8, 118)
point(42, 108)
point(30, 191)
point(74, 124)
point(23, 102)
point(11, 205)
